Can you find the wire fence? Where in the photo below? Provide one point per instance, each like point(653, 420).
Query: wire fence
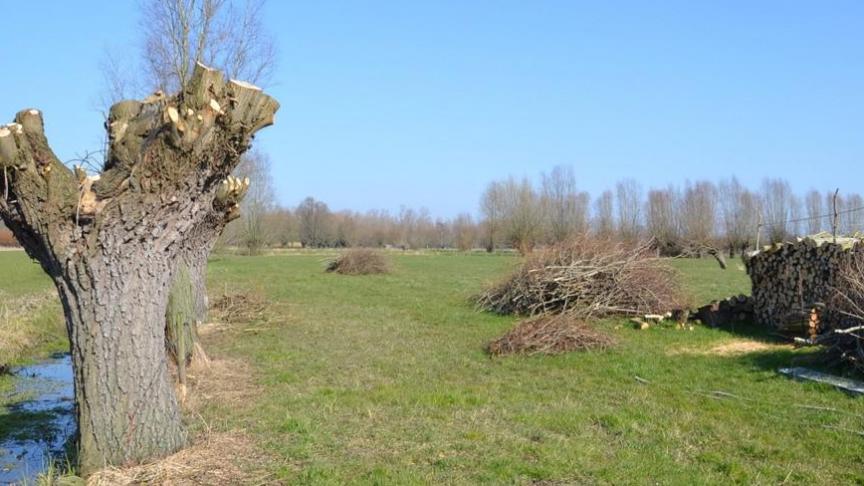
point(833, 217)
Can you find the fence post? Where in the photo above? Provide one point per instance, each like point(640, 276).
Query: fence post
point(834, 220)
point(758, 231)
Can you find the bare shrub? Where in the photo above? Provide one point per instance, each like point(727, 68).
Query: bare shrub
point(846, 341)
point(359, 261)
point(588, 278)
point(550, 334)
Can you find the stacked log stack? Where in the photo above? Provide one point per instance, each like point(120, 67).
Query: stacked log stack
point(792, 281)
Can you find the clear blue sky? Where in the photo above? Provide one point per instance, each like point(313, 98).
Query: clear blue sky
point(423, 103)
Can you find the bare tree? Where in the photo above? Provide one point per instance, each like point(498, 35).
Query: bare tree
point(662, 220)
point(178, 34)
point(313, 220)
point(796, 215)
point(492, 207)
point(629, 199)
point(854, 218)
point(751, 207)
point(738, 213)
point(815, 213)
point(112, 244)
point(522, 214)
point(254, 169)
point(604, 215)
point(698, 214)
point(284, 226)
point(344, 229)
point(777, 201)
point(564, 207)
point(464, 232)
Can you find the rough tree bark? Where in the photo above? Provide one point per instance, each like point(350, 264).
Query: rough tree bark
point(111, 243)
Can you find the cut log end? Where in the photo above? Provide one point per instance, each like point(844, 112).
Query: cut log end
point(173, 115)
point(244, 85)
point(199, 64)
point(214, 105)
point(30, 121)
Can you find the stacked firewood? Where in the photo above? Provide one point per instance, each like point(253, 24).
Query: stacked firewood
point(791, 282)
point(737, 309)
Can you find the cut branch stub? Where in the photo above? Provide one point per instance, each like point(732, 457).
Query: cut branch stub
point(230, 192)
point(38, 182)
point(211, 123)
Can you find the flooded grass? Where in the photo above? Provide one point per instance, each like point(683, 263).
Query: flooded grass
point(37, 418)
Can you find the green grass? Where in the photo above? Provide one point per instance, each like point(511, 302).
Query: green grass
point(31, 319)
point(383, 380)
point(21, 275)
point(705, 280)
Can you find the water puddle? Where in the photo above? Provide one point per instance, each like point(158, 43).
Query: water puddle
point(38, 420)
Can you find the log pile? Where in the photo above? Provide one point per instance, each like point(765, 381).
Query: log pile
point(737, 309)
point(791, 282)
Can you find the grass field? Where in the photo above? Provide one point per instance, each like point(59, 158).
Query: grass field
point(31, 321)
point(383, 380)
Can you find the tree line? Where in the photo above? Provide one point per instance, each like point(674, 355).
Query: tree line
point(523, 213)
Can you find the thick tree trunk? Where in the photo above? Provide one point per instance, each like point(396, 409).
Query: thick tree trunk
point(115, 307)
point(113, 242)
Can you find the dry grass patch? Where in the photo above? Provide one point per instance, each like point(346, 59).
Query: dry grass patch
point(239, 307)
point(550, 334)
point(359, 261)
point(228, 382)
point(221, 458)
point(732, 348)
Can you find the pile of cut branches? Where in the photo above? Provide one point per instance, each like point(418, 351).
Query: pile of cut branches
point(240, 307)
point(359, 261)
point(550, 334)
point(588, 278)
point(845, 339)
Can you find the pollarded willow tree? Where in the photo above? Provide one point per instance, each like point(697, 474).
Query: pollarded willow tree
point(111, 243)
point(176, 35)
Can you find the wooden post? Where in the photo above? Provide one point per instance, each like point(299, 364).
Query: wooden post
point(836, 214)
point(758, 231)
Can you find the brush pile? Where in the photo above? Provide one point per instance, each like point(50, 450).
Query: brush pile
point(844, 339)
point(588, 278)
point(550, 334)
point(359, 261)
point(240, 307)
